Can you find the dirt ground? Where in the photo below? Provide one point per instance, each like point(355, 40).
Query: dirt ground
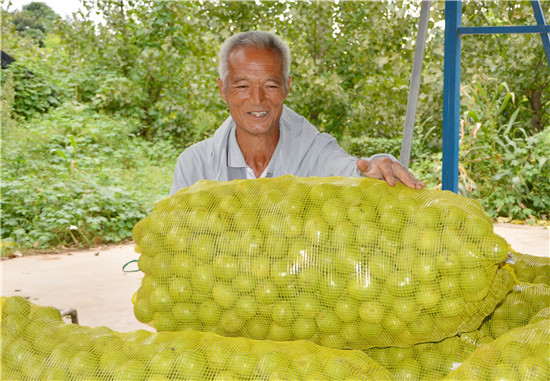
point(93, 281)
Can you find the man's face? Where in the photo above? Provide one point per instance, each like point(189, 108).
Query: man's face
point(255, 89)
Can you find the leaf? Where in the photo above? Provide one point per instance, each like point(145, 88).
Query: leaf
point(542, 161)
point(60, 153)
point(504, 103)
point(73, 142)
point(501, 175)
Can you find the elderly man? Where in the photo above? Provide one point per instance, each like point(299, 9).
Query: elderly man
point(265, 138)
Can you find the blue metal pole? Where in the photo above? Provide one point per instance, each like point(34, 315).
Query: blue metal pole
point(517, 29)
point(451, 95)
point(539, 16)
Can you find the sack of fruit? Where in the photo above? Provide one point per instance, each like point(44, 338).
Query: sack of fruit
point(531, 269)
point(520, 354)
point(428, 361)
point(38, 345)
point(343, 262)
point(517, 309)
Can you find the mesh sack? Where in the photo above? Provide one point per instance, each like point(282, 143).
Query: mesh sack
point(517, 309)
point(531, 269)
point(543, 314)
point(38, 345)
point(428, 361)
point(343, 262)
point(520, 354)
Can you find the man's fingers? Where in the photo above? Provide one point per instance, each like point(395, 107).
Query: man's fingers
point(405, 176)
point(363, 165)
point(389, 171)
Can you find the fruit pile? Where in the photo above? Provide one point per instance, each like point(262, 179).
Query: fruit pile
point(38, 345)
point(251, 276)
point(531, 269)
point(428, 361)
point(522, 353)
point(342, 262)
point(517, 309)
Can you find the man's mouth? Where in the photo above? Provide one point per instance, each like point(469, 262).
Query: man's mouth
point(258, 114)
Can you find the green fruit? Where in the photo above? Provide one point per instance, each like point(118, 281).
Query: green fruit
point(534, 368)
point(190, 365)
point(402, 283)
point(328, 322)
point(84, 365)
point(283, 313)
point(143, 311)
point(16, 305)
point(304, 328)
point(244, 364)
point(371, 312)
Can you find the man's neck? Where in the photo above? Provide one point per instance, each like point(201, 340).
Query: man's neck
point(257, 150)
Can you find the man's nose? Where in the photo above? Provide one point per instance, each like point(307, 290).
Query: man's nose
point(258, 94)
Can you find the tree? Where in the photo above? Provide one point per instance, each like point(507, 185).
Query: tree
point(35, 20)
point(352, 62)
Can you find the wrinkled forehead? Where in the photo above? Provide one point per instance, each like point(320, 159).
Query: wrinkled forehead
point(243, 56)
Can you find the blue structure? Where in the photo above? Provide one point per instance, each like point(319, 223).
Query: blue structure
point(451, 78)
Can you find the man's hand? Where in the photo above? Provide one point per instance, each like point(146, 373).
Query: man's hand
point(384, 168)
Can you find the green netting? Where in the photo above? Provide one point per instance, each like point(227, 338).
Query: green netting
point(343, 262)
point(520, 354)
point(38, 345)
point(531, 269)
point(517, 309)
point(428, 361)
point(541, 315)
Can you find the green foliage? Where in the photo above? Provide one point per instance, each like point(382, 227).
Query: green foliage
point(35, 20)
point(78, 178)
point(521, 188)
point(516, 59)
point(503, 167)
point(6, 109)
point(33, 93)
point(74, 212)
point(366, 146)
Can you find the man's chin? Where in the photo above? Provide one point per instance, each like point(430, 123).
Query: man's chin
point(265, 128)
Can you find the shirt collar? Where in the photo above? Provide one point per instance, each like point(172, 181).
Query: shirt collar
point(235, 158)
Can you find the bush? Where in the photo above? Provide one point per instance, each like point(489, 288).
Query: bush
point(33, 93)
point(365, 146)
point(78, 178)
point(504, 167)
point(520, 190)
point(425, 142)
point(74, 212)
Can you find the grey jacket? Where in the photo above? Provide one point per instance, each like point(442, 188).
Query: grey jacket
point(302, 151)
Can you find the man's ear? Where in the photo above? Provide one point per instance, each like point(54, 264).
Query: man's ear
point(221, 88)
point(288, 85)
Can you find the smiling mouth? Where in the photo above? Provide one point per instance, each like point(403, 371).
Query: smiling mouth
point(259, 114)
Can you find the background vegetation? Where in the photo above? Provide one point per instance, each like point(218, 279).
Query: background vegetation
point(95, 115)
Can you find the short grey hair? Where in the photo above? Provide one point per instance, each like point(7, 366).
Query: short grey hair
point(257, 39)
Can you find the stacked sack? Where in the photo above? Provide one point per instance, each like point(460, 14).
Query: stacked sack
point(342, 262)
point(517, 309)
point(521, 354)
point(407, 276)
point(38, 345)
point(428, 361)
point(531, 269)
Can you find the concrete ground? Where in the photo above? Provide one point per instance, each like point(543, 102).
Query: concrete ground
point(93, 282)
